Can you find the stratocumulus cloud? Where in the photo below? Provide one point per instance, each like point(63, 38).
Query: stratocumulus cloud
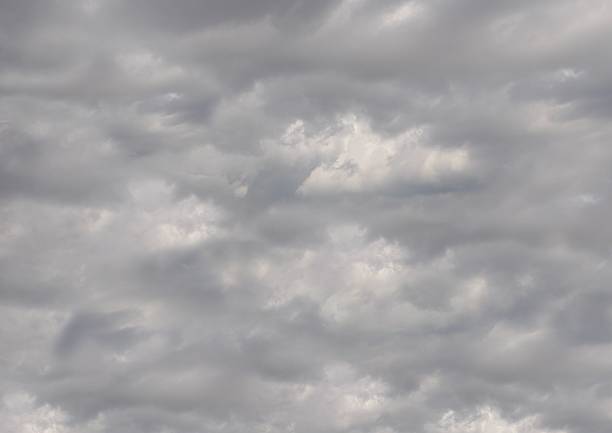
point(305, 216)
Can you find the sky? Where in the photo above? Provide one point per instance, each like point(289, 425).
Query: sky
point(291, 216)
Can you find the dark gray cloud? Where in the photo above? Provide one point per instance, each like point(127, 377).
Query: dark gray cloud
point(305, 216)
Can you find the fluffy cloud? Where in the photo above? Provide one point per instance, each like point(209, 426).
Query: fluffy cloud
point(305, 216)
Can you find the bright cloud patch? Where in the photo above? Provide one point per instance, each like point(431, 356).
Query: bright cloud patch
point(353, 158)
point(20, 413)
point(163, 222)
point(487, 420)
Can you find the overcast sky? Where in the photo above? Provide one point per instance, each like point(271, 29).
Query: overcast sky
point(305, 216)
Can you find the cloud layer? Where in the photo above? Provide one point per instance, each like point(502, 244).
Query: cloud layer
point(305, 216)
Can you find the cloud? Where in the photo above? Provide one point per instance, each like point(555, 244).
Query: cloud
point(356, 160)
point(487, 420)
point(305, 216)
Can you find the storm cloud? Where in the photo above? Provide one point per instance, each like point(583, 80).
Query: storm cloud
point(321, 216)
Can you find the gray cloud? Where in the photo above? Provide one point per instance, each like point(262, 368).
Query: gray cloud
point(323, 216)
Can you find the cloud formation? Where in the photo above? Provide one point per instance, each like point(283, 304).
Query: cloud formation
point(305, 216)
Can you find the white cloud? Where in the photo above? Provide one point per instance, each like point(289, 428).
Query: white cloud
point(354, 158)
point(20, 413)
point(486, 420)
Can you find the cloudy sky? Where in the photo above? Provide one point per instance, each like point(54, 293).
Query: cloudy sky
point(305, 216)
